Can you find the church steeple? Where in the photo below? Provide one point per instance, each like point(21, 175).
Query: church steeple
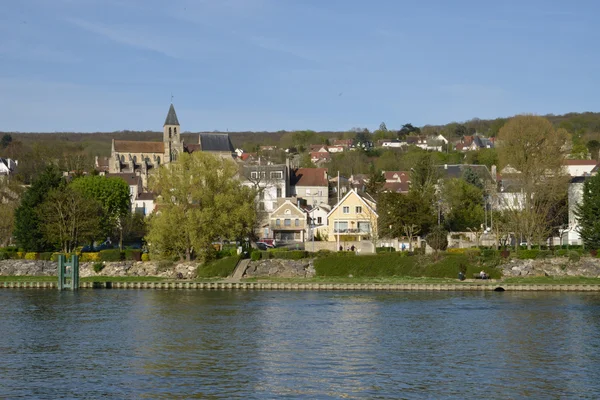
point(171, 117)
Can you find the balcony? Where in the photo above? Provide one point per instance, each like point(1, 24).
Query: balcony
point(350, 231)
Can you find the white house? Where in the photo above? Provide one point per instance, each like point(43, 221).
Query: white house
point(8, 166)
point(318, 219)
point(141, 202)
point(271, 181)
point(311, 185)
point(579, 167)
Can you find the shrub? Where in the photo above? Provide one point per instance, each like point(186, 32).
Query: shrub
point(255, 255)
point(544, 254)
point(98, 266)
point(593, 252)
point(527, 254)
point(489, 253)
point(31, 256)
point(145, 257)
point(368, 265)
point(218, 268)
point(89, 257)
point(574, 256)
point(19, 255)
point(54, 257)
point(289, 255)
point(4, 255)
point(561, 253)
point(111, 255)
point(438, 238)
point(384, 249)
point(46, 256)
point(133, 255)
point(164, 265)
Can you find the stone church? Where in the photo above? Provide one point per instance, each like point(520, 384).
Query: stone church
point(128, 156)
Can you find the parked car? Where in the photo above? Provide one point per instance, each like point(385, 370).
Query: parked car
point(263, 246)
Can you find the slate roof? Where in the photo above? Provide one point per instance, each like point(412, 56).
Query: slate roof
point(146, 196)
point(190, 148)
point(130, 146)
point(457, 170)
point(396, 187)
point(131, 179)
point(171, 117)
point(216, 142)
point(311, 177)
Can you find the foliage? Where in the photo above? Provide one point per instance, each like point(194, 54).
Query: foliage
point(574, 256)
point(464, 205)
point(27, 230)
point(200, 201)
point(288, 255)
point(384, 250)
point(6, 140)
point(111, 255)
point(424, 176)
point(145, 257)
point(588, 213)
point(527, 254)
point(31, 256)
point(67, 218)
point(98, 267)
point(487, 157)
point(438, 238)
point(255, 255)
point(404, 215)
point(45, 256)
point(89, 257)
point(376, 181)
point(593, 147)
point(133, 255)
point(532, 146)
point(219, 268)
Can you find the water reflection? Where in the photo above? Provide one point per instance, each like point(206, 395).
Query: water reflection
point(181, 344)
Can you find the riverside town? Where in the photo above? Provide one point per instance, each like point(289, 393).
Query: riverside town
point(300, 199)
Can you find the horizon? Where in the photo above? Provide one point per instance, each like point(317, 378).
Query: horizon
point(268, 66)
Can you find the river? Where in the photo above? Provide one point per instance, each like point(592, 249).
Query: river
point(270, 344)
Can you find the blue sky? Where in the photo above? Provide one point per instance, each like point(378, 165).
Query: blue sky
point(107, 65)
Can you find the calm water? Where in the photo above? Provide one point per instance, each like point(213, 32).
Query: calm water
point(178, 344)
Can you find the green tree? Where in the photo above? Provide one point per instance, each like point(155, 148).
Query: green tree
point(27, 222)
point(471, 177)
point(487, 157)
point(532, 146)
point(67, 217)
point(438, 239)
point(200, 201)
point(464, 205)
point(407, 130)
point(424, 176)
point(114, 197)
point(593, 147)
point(588, 213)
point(6, 140)
point(376, 181)
point(10, 193)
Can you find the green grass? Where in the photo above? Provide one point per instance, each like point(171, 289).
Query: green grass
point(550, 280)
point(218, 268)
point(122, 279)
point(27, 278)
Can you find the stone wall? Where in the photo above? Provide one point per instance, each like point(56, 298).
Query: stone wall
point(121, 268)
point(559, 266)
point(280, 269)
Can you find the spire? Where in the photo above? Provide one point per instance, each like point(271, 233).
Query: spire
point(171, 117)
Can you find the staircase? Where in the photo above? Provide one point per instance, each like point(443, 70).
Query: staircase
point(240, 268)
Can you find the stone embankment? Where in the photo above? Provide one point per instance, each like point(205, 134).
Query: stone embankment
point(559, 267)
point(121, 268)
point(281, 269)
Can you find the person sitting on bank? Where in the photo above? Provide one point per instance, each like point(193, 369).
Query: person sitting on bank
point(483, 275)
point(352, 248)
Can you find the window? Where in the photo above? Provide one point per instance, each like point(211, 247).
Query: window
point(261, 195)
point(277, 222)
point(261, 206)
point(339, 226)
point(253, 175)
point(364, 227)
point(358, 209)
point(158, 161)
point(319, 220)
point(263, 174)
point(287, 222)
point(297, 222)
point(266, 232)
point(135, 159)
point(346, 210)
point(279, 194)
point(175, 131)
point(169, 132)
point(276, 175)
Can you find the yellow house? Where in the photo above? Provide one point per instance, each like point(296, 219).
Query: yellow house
point(354, 218)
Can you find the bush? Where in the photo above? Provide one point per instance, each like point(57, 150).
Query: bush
point(219, 268)
point(46, 256)
point(489, 254)
point(98, 266)
point(383, 264)
point(527, 254)
point(111, 255)
point(384, 249)
point(574, 256)
point(19, 255)
point(145, 257)
point(32, 256)
point(255, 255)
point(289, 255)
point(544, 254)
point(4, 255)
point(133, 255)
point(89, 257)
point(561, 253)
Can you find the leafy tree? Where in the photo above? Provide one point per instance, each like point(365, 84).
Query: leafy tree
point(460, 130)
point(593, 147)
point(464, 204)
point(361, 137)
point(201, 200)
point(10, 193)
point(383, 127)
point(376, 181)
point(472, 178)
point(487, 157)
point(438, 239)
point(532, 146)
point(424, 175)
point(67, 216)
point(6, 140)
point(306, 162)
point(588, 213)
point(113, 196)
point(408, 129)
point(27, 222)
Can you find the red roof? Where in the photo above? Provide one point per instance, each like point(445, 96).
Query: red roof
point(342, 142)
point(311, 177)
point(130, 146)
point(320, 155)
point(396, 187)
point(402, 176)
point(580, 162)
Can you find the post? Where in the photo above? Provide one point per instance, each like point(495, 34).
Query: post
point(68, 279)
point(61, 272)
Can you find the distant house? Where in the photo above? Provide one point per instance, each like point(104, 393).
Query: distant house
point(394, 143)
point(475, 142)
point(141, 202)
point(271, 181)
point(347, 143)
point(320, 157)
point(335, 149)
point(353, 219)
point(8, 166)
point(268, 148)
point(311, 184)
point(396, 181)
point(287, 223)
point(580, 167)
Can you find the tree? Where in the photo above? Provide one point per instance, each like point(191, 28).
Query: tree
point(383, 127)
point(10, 193)
point(534, 148)
point(408, 129)
point(464, 203)
point(471, 177)
point(114, 197)
point(438, 239)
point(424, 176)
point(593, 147)
point(376, 181)
point(588, 213)
point(200, 201)
point(66, 217)
point(27, 222)
point(6, 140)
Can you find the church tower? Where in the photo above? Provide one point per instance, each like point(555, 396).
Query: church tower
point(171, 136)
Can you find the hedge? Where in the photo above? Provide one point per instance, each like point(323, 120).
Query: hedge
point(289, 255)
point(133, 255)
point(89, 257)
point(111, 255)
point(255, 255)
point(384, 249)
point(4, 255)
point(218, 268)
point(527, 254)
